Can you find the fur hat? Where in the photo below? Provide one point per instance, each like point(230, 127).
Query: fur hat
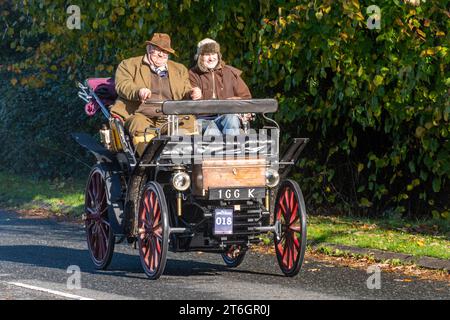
point(207, 46)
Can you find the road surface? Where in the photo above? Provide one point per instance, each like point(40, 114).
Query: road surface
point(39, 259)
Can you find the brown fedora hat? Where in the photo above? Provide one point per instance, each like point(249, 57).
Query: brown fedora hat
point(162, 41)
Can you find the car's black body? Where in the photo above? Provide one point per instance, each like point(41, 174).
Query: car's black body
point(134, 198)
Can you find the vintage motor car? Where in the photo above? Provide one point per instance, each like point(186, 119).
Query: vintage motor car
point(189, 192)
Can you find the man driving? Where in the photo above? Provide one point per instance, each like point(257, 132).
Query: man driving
point(149, 77)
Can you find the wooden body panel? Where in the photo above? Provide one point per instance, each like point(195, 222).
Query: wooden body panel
point(233, 173)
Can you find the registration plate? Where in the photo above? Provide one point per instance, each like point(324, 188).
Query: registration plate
point(237, 194)
point(223, 221)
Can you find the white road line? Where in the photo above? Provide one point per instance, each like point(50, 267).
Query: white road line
point(58, 293)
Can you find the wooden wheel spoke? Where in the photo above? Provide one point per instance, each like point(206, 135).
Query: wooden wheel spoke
point(90, 224)
point(158, 233)
point(152, 203)
point(157, 217)
point(90, 195)
point(285, 252)
point(283, 209)
point(286, 200)
point(154, 254)
point(280, 248)
point(146, 255)
point(102, 226)
point(158, 244)
point(103, 202)
point(90, 211)
point(293, 220)
point(291, 202)
point(93, 188)
point(294, 214)
point(99, 190)
point(295, 241)
point(278, 216)
point(146, 210)
point(104, 210)
point(100, 244)
point(283, 236)
point(105, 223)
point(155, 210)
point(157, 227)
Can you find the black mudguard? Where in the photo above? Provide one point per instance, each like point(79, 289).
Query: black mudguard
point(102, 154)
point(291, 156)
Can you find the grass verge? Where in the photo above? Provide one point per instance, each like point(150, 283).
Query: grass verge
point(56, 197)
point(418, 238)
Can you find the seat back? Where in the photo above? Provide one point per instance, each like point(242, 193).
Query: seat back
point(104, 88)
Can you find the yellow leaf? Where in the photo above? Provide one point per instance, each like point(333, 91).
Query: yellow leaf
point(420, 243)
point(440, 34)
point(360, 167)
point(359, 16)
point(428, 52)
point(421, 33)
point(420, 131)
point(14, 81)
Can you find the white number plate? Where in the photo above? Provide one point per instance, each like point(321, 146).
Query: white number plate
point(237, 194)
point(223, 221)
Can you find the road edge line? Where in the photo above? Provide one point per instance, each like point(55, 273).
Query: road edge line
point(54, 292)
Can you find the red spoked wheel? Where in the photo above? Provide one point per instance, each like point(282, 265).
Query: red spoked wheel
point(233, 256)
point(290, 213)
point(100, 237)
point(153, 225)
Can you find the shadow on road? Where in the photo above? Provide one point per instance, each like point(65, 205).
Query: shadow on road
point(123, 265)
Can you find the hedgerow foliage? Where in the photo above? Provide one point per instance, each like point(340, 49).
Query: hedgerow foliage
point(375, 102)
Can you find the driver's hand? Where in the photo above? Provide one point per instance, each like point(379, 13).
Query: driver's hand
point(196, 93)
point(144, 94)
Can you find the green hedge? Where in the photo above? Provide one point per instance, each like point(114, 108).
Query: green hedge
point(375, 103)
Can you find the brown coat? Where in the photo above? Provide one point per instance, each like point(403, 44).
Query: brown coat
point(227, 83)
point(134, 73)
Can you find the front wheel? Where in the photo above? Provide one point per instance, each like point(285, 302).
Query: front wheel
point(153, 225)
point(290, 213)
point(233, 256)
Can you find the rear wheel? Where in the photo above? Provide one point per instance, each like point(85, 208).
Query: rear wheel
point(290, 213)
point(233, 256)
point(100, 237)
point(153, 230)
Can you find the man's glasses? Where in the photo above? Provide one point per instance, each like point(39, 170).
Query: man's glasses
point(158, 51)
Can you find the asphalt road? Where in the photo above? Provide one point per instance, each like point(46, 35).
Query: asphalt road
point(35, 255)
